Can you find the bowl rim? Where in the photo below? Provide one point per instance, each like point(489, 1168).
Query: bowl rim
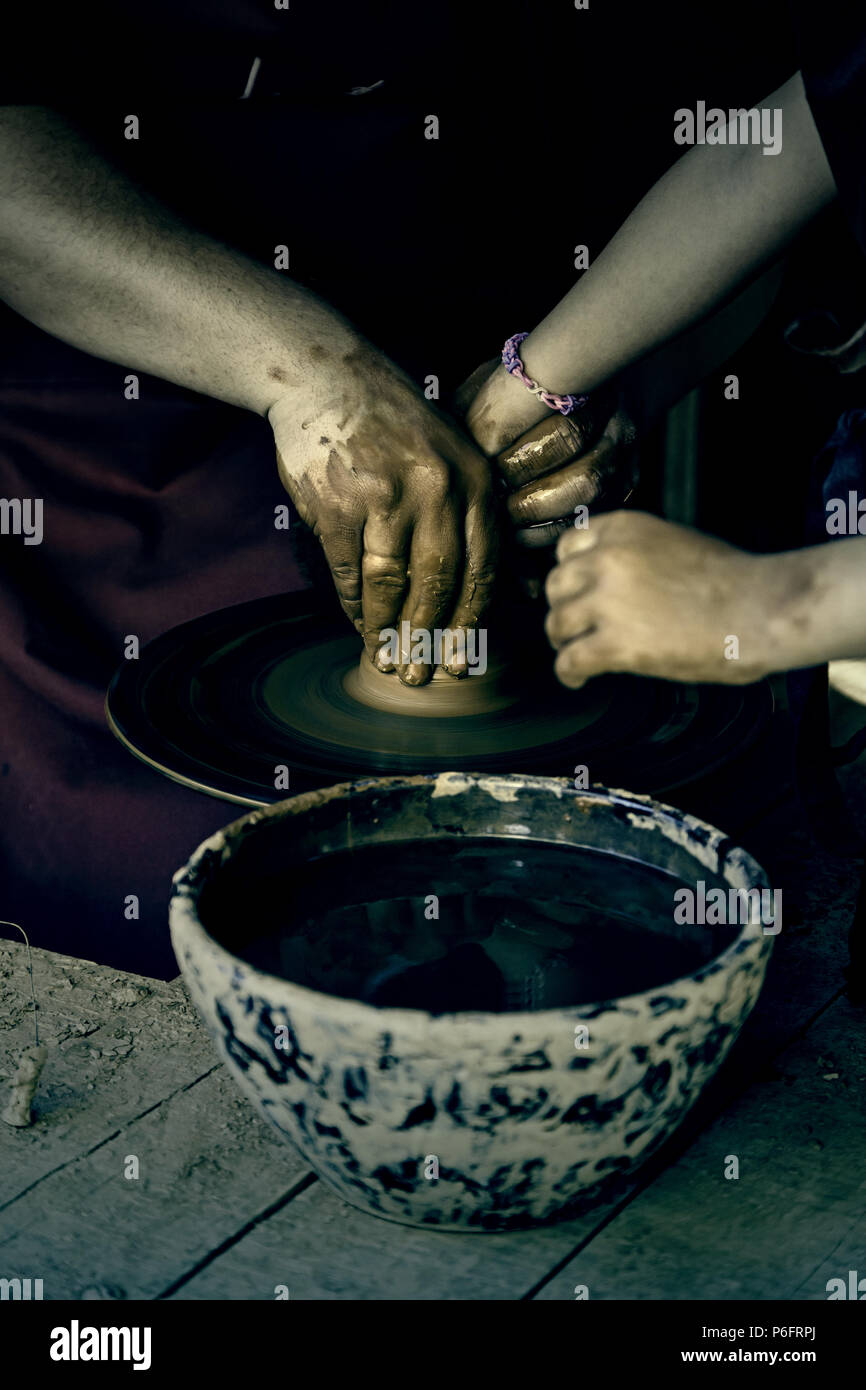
point(674, 824)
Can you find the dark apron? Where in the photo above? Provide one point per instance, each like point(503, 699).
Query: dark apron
point(160, 509)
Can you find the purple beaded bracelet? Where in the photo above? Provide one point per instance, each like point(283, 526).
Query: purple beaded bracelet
point(512, 363)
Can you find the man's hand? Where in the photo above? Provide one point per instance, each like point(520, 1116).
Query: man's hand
point(400, 500)
point(551, 463)
point(634, 593)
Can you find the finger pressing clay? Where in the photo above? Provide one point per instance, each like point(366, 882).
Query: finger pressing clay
point(442, 697)
point(24, 1084)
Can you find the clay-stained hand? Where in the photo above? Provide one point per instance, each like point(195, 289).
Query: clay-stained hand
point(631, 592)
point(552, 463)
point(398, 496)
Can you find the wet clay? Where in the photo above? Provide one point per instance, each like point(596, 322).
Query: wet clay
point(221, 702)
point(443, 696)
point(329, 699)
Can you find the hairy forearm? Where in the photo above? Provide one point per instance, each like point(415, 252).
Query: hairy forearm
point(92, 259)
point(716, 218)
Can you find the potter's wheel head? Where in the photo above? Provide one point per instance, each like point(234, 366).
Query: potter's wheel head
point(223, 703)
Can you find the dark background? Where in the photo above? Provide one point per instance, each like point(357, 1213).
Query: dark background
point(553, 123)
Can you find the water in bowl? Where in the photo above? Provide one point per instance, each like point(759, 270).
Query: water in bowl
point(464, 924)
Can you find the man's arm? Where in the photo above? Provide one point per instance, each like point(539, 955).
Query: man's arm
point(395, 492)
point(92, 259)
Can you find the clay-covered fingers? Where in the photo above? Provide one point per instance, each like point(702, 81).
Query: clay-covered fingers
point(579, 539)
point(585, 481)
point(482, 538)
point(548, 445)
point(387, 483)
point(543, 535)
point(571, 577)
point(340, 539)
point(575, 572)
point(572, 623)
point(584, 657)
point(572, 628)
point(384, 575)
point(569, 470)
point(435, 567)
point(571, 615)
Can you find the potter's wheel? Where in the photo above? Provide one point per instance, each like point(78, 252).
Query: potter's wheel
point(221, 702)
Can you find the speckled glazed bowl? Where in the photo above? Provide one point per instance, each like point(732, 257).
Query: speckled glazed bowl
point(524, 1125)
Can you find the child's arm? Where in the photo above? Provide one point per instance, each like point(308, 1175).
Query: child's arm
point(634, 593)
point(716, 218)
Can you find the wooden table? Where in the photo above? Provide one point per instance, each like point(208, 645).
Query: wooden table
point(222, 1209)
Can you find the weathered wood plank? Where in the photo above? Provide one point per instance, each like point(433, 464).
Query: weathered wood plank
point(118, 1044)
point(794, 1218)
point(207, 1168)
point(321, 1248)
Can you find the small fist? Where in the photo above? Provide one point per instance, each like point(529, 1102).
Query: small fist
point(631, 592)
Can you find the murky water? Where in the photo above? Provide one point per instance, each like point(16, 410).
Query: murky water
point(459, 924)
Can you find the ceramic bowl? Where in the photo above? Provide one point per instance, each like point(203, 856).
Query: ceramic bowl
point(527, 1117)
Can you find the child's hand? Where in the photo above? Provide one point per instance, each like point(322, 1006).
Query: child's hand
point(552, 463)
point(634, 593)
